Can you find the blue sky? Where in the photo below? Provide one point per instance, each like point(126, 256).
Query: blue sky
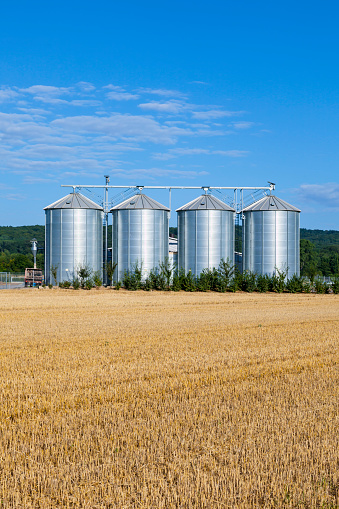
point(169, 93)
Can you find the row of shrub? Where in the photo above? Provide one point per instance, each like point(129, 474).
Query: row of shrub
point(226, 278)
point(84, 279)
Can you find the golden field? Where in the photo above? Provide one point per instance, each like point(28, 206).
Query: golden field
point(162, 400)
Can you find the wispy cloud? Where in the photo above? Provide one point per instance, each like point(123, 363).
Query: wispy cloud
point(66, 138)
point(326, 195)
point(35, 111)
point(119, 94)
point(185, 151)
point(163, 92)
point(212, 114)
point(7, 94)
point(47, 90)
point(85, 102)
point(163, 107)
point(85, 87)
point(242, 125)
point(153, 173)
point(123, 126)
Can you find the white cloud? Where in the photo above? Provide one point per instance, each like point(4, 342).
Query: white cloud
point(119, 93)
point(161, 91)
point(123, 126)
point(46, 90)
point(242, 125)
point(231, 153)
point(211, 114)
point(46, 145)
point(39, 180)
point(114, 87)
point(326, 194)
point(50, 99)
point(121, 96)
point(164, 107)
point(152, 173)
point(162, 156)
point(197, 151)
point(35, 111)
point(85, 86)
point(14, 197)
point(7, 94)
point(190, 151)
point(85, 102)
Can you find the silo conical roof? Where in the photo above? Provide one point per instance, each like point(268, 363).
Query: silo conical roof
point(206, 202)
point(74, 201)
point(270, 202)
point(139, 201)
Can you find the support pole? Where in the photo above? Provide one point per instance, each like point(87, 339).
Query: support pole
point(106, 231)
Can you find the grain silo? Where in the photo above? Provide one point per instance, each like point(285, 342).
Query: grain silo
point(73, 237)
point(205, 234)
point(140, 234)
point(271, 237)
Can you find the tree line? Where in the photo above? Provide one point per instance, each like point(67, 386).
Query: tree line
point(319, 249)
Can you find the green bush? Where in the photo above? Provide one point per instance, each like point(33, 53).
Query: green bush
point(295, 284)
point(109, 269)
point(321, 287)
point(97, 279)
point(166, 274)
point(176, 282)
point(277, 281)
point(84, 273)
point(225, 274)
point(76, 284)
point(208, 280)
point(67, 284)
point(188, 282)
point(263, 283)
point(54, 272)
point(236, 281)
point(89, 284)
point(132, 278)
point(335, 285)
point(118, 285)
point(155, 281)
point(248, 282)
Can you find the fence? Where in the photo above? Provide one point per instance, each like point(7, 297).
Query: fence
point(5, 280)
point(9, 280)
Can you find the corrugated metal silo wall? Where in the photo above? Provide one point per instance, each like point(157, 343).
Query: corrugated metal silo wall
point(140, 236)
point(204, 238)
point(271, 239)
point(74, 238)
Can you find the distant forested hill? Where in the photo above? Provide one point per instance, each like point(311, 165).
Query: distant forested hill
point(16, 239)
point(319, 249)
point(320, 237)
point(15, 247)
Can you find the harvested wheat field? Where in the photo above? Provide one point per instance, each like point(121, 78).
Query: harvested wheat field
point(163, 400)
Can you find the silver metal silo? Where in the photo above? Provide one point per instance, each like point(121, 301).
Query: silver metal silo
point(271, 237)
point(140, 235)
point(73, 237)
point(205, 234)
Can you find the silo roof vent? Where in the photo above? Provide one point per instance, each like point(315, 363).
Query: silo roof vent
point(74, 201)
point(270, 202)
point(206, 202)
point(140, 201)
